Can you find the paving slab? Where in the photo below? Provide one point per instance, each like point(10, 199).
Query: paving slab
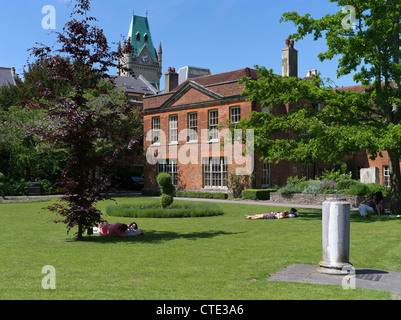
point(360, 278)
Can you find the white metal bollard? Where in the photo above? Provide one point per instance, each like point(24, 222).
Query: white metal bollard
point(335, 237)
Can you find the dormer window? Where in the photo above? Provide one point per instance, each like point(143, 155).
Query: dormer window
point(146, 37)
point(138, 36)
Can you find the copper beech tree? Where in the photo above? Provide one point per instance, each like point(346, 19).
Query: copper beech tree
point(80, 59)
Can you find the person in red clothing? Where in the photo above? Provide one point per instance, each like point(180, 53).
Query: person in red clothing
point(113, 230)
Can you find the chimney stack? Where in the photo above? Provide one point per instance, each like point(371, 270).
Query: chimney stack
point(289, 59)
point(171, 80)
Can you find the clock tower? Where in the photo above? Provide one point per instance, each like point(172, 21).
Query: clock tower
point(139, 55)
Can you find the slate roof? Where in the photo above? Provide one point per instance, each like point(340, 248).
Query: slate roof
point(135, 85)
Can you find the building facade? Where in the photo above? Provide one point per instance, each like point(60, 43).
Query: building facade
point(186, 128)
point(184, 133)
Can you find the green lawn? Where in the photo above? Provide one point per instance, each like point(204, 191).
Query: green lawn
point(220, 257)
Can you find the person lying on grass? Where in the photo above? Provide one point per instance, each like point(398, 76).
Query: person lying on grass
point(275, 215)
point(118, 230)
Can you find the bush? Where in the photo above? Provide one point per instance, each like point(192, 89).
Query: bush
point(359, 189)
point(167, 189)
point(151, 192)
point(314, 187)
point(256, 194)
point(166, 200)
point(16, 187)
point(164, 179)
point(46, 186)
point(294, 185)
point(154, 210)
point(206, 195)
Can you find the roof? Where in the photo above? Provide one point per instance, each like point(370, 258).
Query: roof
point(140, 26)
point(135, 85)
point(6, 76)
point(219, 78)
point(356, 88)
point(209, 89)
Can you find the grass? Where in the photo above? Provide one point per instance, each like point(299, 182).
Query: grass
point(223, 257)
point(155, 210)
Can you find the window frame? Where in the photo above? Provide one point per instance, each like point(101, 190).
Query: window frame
point(192, 129)
point(173, 131)
point(236, 114)
point(214, 173)
point(386, 176)
point(213, 125)
point(266, 174)
point(156, 130)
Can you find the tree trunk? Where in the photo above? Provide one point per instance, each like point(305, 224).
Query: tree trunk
point(395, 181)
point(80, 232)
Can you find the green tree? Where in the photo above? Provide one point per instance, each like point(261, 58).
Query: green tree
point(329, 124)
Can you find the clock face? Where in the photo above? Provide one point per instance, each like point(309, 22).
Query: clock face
point(145, 58)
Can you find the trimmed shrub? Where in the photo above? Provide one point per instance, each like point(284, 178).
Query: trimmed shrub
point(256, 194)
point(167, 189)
point(164, 179)
point(154, 210)
point(166, 200)
point(206, 195)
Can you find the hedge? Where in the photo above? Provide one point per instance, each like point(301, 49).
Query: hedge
point(207, 195)
point(256, 194)
point(151, 192)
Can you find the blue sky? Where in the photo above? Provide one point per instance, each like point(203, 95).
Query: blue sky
point(221, 35)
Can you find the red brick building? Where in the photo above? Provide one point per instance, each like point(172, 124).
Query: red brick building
point(200, 106)
point(183, 130)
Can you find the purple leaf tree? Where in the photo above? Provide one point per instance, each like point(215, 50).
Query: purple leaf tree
point(81, 59)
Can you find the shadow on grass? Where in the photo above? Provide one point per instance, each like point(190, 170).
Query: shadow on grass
point(356, 217)
point(316, 214)
point(155, 237)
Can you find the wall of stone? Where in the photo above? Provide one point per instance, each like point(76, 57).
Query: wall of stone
point(318, 199)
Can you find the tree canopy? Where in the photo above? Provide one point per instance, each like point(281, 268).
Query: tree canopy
point(330, 123)
point(94, 128)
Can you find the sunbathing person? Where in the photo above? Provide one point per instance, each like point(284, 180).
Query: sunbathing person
point(118, 230)
point(274, 215)
point(133, 230)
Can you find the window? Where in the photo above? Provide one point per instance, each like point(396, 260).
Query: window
point(214, 172)
point(173, 128)
point(266, 174)
point(146, 37)
point(156, 130)
point(138, 36)
point(192, 126)
point(213, 124)
point(386, 176)
point(305, 171)
point(169, 167)
point(235, 114)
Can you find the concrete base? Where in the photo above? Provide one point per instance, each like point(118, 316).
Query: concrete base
point(338, 268)
point(362, 278)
